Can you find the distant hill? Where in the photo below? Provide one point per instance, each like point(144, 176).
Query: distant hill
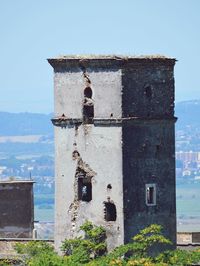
point(188, 113)
point(15, 124)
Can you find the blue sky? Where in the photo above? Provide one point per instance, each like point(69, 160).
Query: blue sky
point(33, 30)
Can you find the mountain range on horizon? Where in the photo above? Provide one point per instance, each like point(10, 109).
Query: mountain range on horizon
point(19, 124)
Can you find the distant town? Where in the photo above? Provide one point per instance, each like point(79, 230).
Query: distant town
point(27, 152)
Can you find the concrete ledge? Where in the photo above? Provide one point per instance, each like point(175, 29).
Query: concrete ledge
point(72, 122)
point(101, 61)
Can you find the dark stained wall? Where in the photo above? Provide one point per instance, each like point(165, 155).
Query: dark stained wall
point(148, 148)
point(16, 209)
point(148, 89)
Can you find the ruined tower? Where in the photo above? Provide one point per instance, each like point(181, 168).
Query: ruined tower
point(114, 145)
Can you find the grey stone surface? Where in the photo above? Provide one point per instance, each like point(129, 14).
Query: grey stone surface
point(127, 144)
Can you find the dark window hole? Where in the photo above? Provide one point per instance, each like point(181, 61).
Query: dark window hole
point(88, 114)
point(88, 106)
point(84, 189)
point(88, 92)
point(150, 195)
point(110, 212)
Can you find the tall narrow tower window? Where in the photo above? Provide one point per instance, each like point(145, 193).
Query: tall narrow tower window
point(110, 212)
point(88, 106)
point(150, 194)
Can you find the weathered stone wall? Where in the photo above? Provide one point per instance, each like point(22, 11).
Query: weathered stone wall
point(149, 147)
point(148, 89)
point(16, 209)
point(100, 149)
point(128, 143)
point(148, 153)
point(106, 91)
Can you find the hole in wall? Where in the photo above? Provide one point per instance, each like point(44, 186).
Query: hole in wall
point(88, 92)
point(84, 189)
point(110, 212)
point(88, 106)
point(150, 194)
point(88, 114)
point(109, 186)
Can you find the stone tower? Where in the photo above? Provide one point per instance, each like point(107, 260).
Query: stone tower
point(114, 145)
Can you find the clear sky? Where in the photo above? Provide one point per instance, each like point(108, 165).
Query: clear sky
point(33, 30)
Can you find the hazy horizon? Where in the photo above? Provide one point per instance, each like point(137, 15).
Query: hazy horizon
point(51, 112)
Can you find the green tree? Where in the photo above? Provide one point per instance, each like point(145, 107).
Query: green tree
point(88, 247)
point(91, 250)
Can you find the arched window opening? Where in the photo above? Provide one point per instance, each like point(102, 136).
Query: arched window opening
point(84, 189)
point(88, 106)
point(110, 212)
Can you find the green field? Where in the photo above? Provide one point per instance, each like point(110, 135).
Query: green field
point(44, 214)
point(44, 207)
point(188, 207)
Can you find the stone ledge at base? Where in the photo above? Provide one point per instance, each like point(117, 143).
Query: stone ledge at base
point(188, 238)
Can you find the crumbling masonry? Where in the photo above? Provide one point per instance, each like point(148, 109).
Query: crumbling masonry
point(114, 145)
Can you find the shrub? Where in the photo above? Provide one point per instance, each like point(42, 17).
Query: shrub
point(91, 250)
point(82, 249)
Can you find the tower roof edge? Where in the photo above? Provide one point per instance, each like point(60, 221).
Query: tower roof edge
point(108, 59)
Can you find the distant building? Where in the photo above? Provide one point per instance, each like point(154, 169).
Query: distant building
point(16, 209)
point(114, 145)
point(188, 156)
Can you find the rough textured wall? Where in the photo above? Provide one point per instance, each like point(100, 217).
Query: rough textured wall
point(149, 147)
point(148, 153)
point(16, 209)
point(99, 147)
point(148, 89)
point(69, 91)
point(132, 130)
point(101, 154)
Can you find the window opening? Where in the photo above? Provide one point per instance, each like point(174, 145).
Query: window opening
point(110, 212)
point(150, 194)
point(84, 189)
point(88, 106)
point(88, 92)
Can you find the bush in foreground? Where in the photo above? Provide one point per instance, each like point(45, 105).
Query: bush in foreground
point(91, 250)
